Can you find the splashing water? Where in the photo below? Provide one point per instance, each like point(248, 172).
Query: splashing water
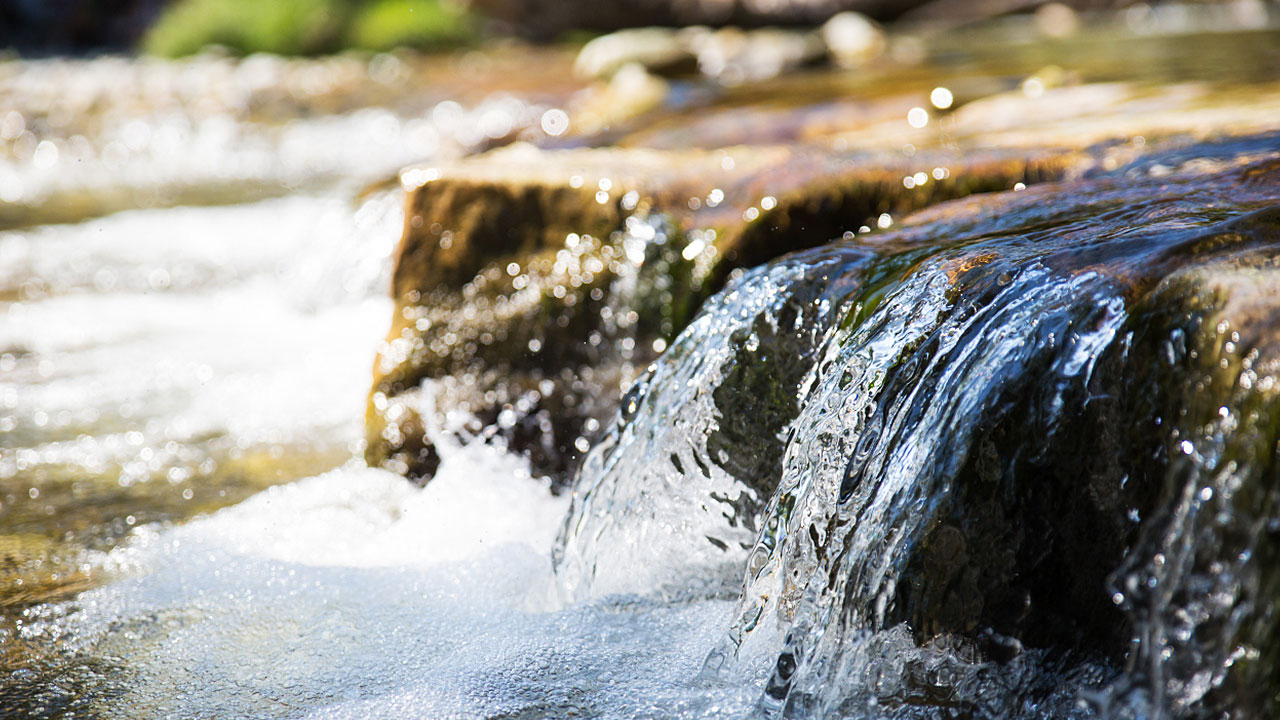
point(957, 402)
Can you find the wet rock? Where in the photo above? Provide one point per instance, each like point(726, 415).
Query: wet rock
point(1112, 514)
point(730, 55)
point(712, 185)
point(531, 285)
point(629, 94)
point(660, 50)
point(1197, 585)
point(1033, 431)
point(735, 56)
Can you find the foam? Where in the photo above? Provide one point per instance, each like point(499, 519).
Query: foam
point(354, 594)
point(255, 323)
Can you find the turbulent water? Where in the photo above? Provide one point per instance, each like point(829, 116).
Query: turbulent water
point(974, 417)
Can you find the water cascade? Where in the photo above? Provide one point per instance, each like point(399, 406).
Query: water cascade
point(986, 457)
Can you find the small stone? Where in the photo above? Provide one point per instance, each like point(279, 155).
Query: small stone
point(852, 39)
point(659, 50)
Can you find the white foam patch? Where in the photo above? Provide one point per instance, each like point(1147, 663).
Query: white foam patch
point(355, 595)
point(255, 324)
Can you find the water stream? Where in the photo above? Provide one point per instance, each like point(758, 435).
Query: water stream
point(1014, 457)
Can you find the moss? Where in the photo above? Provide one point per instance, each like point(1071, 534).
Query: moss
point(420, 24)
point(289, 27)
point(307, 27)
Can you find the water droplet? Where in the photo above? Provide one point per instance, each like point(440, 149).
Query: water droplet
point(555, 122)
point(46, 155)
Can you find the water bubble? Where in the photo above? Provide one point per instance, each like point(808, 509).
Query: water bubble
point(46, 155)
point(918, 117)
point(941, 98)
point(555, 122)
point(158, 279)
point(693, 249)
point(13, 125)
point(11, 188)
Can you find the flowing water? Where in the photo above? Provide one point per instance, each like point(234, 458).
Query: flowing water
point(1013, 458)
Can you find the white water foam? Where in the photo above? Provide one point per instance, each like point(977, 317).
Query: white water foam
point(355, 595)
point(254, 323)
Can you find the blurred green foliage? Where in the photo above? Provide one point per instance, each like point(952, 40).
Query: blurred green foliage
point(421, 24)
point(308, 27)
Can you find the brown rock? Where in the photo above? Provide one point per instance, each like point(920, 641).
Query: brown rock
point(531, 285)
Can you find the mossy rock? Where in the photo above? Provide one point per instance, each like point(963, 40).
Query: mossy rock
point(537, 283)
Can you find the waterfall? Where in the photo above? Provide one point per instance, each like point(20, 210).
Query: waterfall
point(1016, 459)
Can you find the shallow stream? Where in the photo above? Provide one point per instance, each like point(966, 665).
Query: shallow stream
point(837, 494)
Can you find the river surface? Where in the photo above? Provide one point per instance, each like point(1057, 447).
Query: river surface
point(176, 360)
point(186, 530)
